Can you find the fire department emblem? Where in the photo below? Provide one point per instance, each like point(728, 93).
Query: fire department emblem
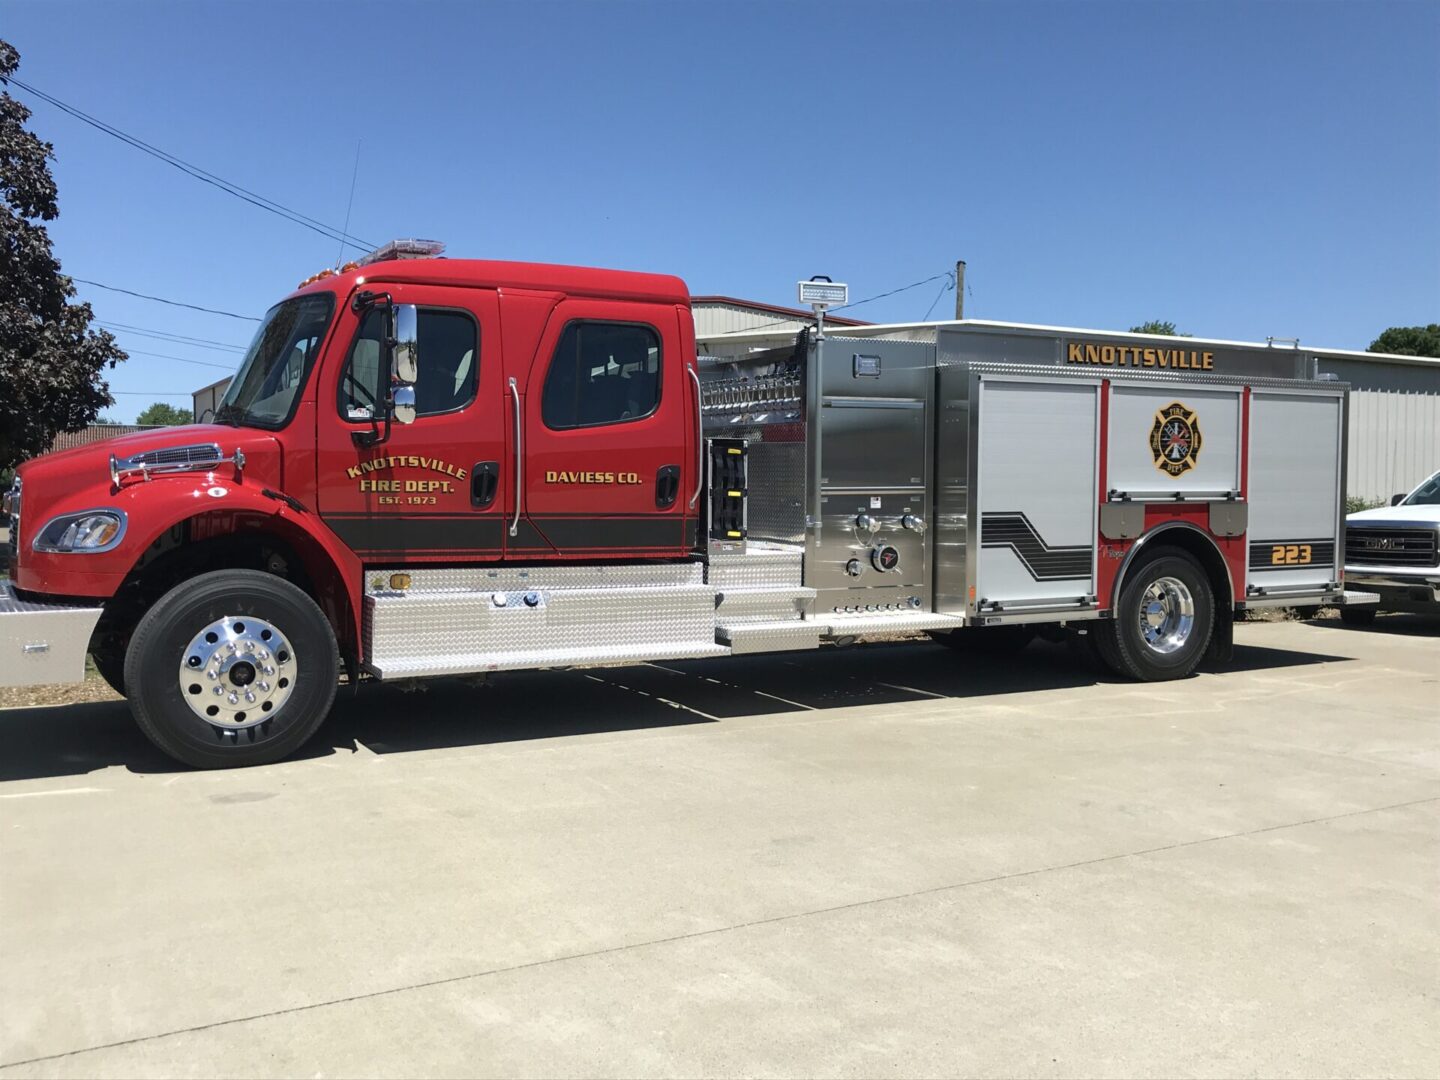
point(1175, 439)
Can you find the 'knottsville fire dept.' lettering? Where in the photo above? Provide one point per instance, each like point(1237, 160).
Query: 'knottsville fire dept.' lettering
point(405, 461)
point(1080, 352)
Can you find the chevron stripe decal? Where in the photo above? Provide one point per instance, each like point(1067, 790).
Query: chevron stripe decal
point(1045, 563)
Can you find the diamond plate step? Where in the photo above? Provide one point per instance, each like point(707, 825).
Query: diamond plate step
point(450, 633)
point(783, 635)
point(888, 622)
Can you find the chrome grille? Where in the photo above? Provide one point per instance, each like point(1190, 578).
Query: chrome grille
point(199, 454)
point(1390, 547)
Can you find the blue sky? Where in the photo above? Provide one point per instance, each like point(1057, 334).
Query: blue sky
point(1242, 169)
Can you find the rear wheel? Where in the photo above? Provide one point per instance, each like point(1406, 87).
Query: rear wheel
point(1161, 625)
point(232, 668)
point(1358, 616)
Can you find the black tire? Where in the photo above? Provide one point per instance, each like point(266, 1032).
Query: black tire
point(110, 663)
point(1122, 644)
point(175, 625)
point(989, 641)
point(1358, 616)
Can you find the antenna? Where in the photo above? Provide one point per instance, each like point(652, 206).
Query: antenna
point(344, 231)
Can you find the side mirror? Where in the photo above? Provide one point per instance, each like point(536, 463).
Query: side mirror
point(402, 404)
point(405, 359)
point(1396, 500)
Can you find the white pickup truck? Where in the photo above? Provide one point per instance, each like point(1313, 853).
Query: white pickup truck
point(1395, 551)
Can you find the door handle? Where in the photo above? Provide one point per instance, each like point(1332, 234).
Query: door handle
point(667, 485)
point(484, 483)
point(519, 458)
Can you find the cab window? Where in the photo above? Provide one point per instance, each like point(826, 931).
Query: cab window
point(448, 346)
point(602, 373)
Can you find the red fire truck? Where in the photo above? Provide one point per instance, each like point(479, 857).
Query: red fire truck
point(428, 466)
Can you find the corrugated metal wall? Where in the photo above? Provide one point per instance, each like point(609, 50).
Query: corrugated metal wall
point(1394, 441)
point(1394, 424)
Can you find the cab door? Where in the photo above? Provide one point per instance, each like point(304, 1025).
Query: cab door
point(435, 490)
point(605, 413)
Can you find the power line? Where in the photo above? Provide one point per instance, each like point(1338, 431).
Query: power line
point(154, 393)
point(949, 284)
point(183, 360)
point(165, 335)
point(162, 300)
point(230, 188)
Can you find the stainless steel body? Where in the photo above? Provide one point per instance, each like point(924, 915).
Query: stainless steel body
point(869, 471)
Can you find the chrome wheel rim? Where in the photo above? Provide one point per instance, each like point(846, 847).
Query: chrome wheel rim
point(237, 673)
point(1167, 615)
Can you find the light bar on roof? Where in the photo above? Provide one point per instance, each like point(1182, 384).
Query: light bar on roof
point(403, 249)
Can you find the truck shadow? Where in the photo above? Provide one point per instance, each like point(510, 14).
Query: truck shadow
point(1398, 623)
point(531, 705)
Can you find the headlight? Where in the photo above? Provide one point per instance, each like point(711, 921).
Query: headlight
point(92, 530)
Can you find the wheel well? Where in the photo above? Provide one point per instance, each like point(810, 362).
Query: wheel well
point(1196, 544)
point(224, 542)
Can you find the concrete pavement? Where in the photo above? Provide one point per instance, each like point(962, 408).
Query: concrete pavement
point(886, 860)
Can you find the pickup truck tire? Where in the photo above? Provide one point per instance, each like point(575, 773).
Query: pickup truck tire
point(1160, 627)
point(988, 641)
point(1358, 616)
point(232, 668)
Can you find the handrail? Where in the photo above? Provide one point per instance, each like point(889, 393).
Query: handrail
point(699, 439)
point(519, 458)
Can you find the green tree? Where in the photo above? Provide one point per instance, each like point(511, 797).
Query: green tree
point(1155, 326)
point(1409, 341)
point(165, 415)
point(50, 359)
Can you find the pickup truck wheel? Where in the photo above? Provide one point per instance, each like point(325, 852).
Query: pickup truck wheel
point(232, 668)
point(1161, 625)
point(1358, 616)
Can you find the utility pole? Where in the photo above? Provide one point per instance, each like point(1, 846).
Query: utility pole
point(960, 288)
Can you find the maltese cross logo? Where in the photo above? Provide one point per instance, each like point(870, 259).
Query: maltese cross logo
point(1175, 439)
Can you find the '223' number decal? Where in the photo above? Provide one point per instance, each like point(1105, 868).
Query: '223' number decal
point(1290, 555)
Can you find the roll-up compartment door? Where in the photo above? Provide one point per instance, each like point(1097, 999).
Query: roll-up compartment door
point(1296, 443)
point(1037, 493)
point(1174, 440)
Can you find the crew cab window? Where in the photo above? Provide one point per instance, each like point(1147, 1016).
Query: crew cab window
point(448, 347)
point(602, 373)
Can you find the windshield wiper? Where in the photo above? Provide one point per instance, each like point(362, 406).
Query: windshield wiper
point(229, 414)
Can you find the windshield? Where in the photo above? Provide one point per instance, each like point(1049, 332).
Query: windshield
point(1427, 494)
point(265, 389)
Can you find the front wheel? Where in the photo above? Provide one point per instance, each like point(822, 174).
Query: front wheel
point(1161, 625)
point(231, 668)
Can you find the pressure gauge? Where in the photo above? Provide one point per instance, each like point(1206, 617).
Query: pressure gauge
point(885, 558)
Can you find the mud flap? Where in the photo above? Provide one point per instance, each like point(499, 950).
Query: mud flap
point(1222, 637)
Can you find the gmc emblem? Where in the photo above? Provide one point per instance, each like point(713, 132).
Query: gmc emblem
point(1379, 543)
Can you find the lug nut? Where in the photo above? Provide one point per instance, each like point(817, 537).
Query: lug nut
point(218, 691)
point(265, 686)
point(211, 675)
point(234, 699)
point(249, 696)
